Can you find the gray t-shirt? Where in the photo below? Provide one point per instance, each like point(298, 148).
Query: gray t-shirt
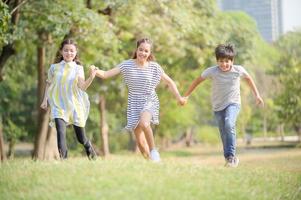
point(225, 85)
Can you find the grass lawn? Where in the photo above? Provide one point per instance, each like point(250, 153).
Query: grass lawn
point(194, 173)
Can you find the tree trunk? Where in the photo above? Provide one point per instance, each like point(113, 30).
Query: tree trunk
point(298, 131)
point(2, 150)
point(41, 73)
point(89, 4)
point(7, 51)
point(264, 127)
point(188, 137)
point(43, 117)
point(104, 127)
point(280, 131)
point(165, 143)
point(41, 136)
point(11, 149)
point(132, 145)
point(51, 150)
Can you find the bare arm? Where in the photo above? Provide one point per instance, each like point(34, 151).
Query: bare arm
point(84, 84)
point(254, 90)
point(193, 85)
point(173, 88)
point(107, 74)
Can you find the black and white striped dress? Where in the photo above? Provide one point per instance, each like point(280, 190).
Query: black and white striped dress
point(141, 83)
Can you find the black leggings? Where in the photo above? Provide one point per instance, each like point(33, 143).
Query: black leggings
point(60, 125)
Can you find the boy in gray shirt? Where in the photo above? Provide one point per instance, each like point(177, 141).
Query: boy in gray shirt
point(226, 96)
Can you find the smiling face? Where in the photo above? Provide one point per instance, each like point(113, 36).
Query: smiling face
point(69, 52)
point(143, 52)
point(225, 64)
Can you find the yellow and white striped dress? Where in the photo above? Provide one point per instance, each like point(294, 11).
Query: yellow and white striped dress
point(67, 101)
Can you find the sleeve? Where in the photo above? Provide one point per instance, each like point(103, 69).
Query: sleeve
point(243, 72)
point(160, 70)
point(122, 67)
point(80, 71)
point(50, 74)
point(207, 73)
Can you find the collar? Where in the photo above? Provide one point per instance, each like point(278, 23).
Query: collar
point(72, 63)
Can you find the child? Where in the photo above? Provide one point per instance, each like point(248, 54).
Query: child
point(142, 75)
point(226, 96)
point(65, 94)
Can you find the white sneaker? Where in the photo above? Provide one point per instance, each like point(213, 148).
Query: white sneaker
point(236, 162)
point(154, 155)
point(232, 162)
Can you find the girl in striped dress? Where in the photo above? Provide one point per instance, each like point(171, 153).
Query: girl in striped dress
point(68, 102)
point(142, 74)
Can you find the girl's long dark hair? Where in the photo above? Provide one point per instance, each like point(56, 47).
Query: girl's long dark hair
point(59, 56)
point(151, 57)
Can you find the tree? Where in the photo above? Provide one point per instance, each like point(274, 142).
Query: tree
point(288, 72)
point(10, 14)
point(9, 18)
point(2, 152)
point(184, 35)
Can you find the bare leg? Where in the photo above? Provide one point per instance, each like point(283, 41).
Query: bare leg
point(141, 142)
point(144, 124)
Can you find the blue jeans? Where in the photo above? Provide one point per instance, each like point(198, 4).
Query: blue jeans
point(226, 120)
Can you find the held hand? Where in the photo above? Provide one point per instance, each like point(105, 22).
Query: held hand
point(182, 101)
point(259, 101)
point(44, 105)
point(185, 100)
point(93, 71)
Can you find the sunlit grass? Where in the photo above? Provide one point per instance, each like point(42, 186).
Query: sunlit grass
point(190, 174)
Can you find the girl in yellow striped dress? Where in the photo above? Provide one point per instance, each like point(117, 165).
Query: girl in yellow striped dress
point(68, 101)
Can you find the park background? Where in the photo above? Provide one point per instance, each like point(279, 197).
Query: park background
point(185, 33)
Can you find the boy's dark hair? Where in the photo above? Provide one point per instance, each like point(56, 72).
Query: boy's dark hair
point(225, 51)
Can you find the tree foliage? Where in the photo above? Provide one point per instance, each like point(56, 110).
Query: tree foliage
point(184, 33)
point(288, 71)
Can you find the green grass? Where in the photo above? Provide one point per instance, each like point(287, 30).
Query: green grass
point(196, 174)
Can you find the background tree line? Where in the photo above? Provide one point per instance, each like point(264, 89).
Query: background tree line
point(185, 34)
